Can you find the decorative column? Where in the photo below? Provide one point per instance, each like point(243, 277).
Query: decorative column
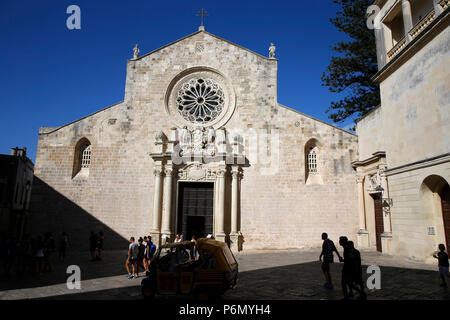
point(167, 203)
point(158, 157)
point(386, 236)
point(407, 19)
point(234, 200)
point(157, 201)
point(363, 234)
point(235, 175)
point(220, 212)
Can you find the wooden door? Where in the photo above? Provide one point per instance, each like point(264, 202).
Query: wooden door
point(379, 224)
point(445, 200)
point(195, 211)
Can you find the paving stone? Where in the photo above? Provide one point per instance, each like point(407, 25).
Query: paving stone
point(278, 277)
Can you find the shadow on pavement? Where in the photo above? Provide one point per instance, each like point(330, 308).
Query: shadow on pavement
point(113, 264)
point(303, 282)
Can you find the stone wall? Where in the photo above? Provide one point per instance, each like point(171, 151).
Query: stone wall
point(416, 208)
point(370, 136)
point(416, 104)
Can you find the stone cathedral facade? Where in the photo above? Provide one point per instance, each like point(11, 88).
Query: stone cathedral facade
point(199, 145)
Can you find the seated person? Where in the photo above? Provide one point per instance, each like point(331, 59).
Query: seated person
point(209, 262)
point(173, 263)
point(164, 261)
point(182, 256)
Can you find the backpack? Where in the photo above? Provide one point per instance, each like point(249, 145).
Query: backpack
point(152, 250)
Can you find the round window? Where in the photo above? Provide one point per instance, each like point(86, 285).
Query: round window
point(200, 100)
point(200, 97)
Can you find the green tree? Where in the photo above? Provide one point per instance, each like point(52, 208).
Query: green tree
point(350, 71)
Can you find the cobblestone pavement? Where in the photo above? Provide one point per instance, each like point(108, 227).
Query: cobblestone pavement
point(287, 274)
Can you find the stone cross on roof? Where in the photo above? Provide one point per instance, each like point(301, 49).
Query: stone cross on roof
point(202, 14)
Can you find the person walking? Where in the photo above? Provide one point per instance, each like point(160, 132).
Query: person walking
point(443, 264)
point(141, 256)
point(145, 252)
point(38, 255)
point(194, 252)
point(356, 281)
point(93, 242)
point(133, 250)
point(346, 269)
point(149, 252)
point(351, 271)
point(328, 248)
point(100, 241)
point(62, 246)
point(176, 240)
point(49, 248)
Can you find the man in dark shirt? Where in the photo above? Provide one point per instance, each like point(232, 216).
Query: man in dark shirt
point(328, 248)
point(356, 271)
point(141, 255)
point(348, 270)
point(442, 257)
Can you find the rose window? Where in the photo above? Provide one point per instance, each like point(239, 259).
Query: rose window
point(200, 100)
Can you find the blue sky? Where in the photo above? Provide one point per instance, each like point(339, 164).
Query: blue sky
point(51, 75)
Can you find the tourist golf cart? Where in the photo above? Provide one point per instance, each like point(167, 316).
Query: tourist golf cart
point(174, 271)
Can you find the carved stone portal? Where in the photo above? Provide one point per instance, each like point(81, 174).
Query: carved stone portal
point(197, 155)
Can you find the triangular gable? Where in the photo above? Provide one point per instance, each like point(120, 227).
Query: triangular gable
point(211, 35)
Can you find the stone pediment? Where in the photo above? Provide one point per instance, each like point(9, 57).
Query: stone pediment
point(198, 47)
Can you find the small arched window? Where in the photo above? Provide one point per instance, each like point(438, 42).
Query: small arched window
point(86, 157)
point(312, 160)
point(312, 164)
point(82, 157)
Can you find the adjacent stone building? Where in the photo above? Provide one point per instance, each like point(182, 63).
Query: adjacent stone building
point(404, 144)
point(199, 145)
point(16, 179)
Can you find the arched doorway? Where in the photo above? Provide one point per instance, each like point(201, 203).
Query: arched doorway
point(445, 201)
point(435, 192)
